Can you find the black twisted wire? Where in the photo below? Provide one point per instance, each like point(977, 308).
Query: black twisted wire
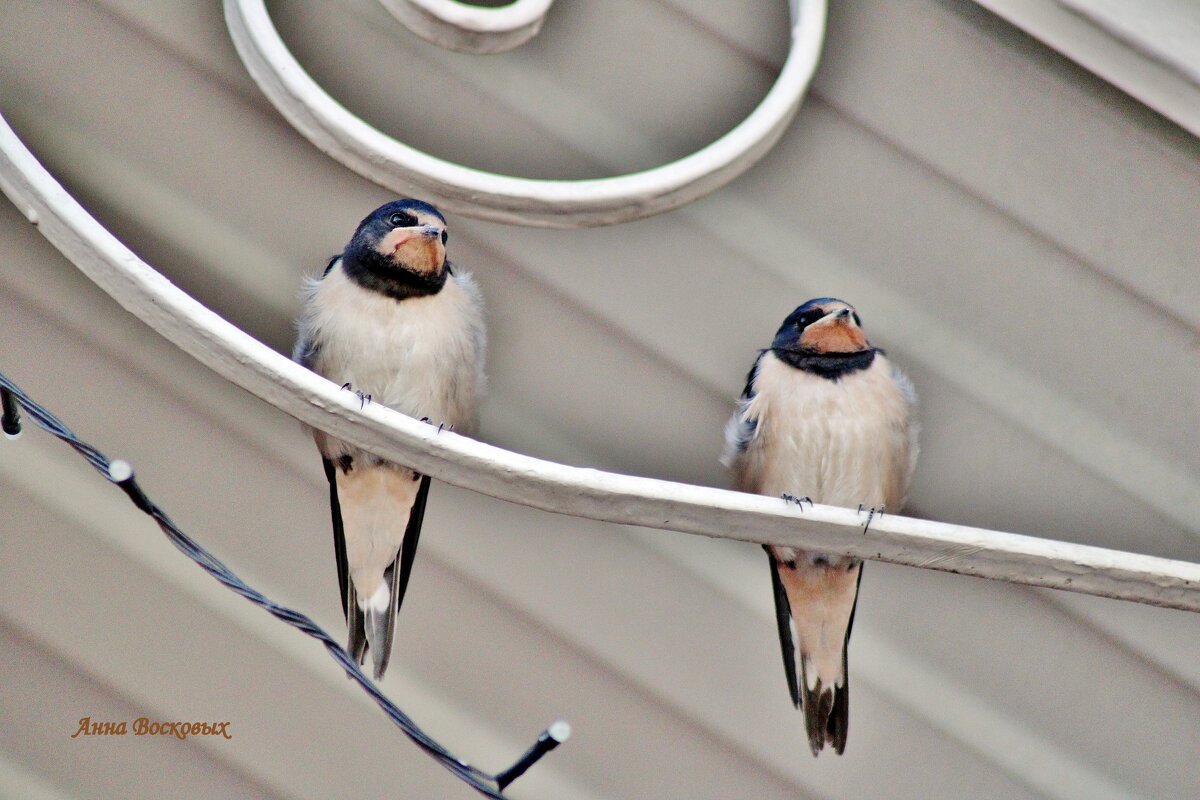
point(120, 473)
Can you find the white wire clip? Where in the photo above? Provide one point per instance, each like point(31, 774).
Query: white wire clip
point(549, 739)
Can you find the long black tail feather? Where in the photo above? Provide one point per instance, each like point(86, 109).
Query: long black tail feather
point(356, 643)
point(783, 620)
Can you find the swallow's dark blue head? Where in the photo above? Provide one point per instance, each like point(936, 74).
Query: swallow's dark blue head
point(824, 336)
point(822, 325)
point(399, 249)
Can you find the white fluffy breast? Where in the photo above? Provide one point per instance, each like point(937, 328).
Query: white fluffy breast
point(422, 356)
point(840, 442)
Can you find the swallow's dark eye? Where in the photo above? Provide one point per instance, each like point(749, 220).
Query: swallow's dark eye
point(402, 220)
point(809, 317)
point(445, 237)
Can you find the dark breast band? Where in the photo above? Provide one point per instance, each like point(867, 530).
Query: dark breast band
point(827, 365)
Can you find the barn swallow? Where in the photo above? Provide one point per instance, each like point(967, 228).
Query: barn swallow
point(394, 321)
point(825, 417)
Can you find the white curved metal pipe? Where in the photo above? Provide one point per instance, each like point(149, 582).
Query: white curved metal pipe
point(469, 28)
point(555, 487)
point(522, 201)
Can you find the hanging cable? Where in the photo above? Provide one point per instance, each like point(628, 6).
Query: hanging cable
point(12, 398)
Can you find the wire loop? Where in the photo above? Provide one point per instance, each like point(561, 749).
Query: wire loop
point(10, 415)
point(121, 473)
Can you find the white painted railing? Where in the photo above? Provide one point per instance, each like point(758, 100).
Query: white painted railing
point(468, 28)
point(523, 201)
point(555, 487)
